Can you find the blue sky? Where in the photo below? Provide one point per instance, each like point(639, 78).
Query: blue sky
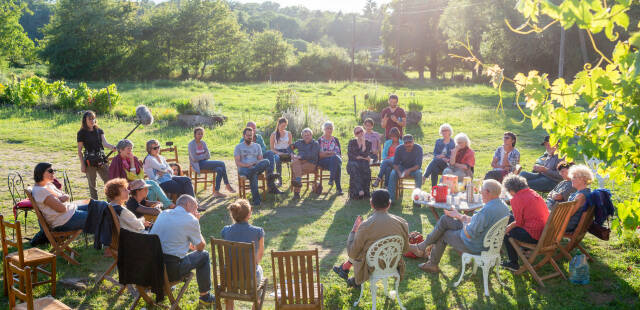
point(346, 6)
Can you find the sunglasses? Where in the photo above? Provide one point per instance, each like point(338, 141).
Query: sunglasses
point(50, 170)
point(359, 132)
point(155, 148)
point(506, 138)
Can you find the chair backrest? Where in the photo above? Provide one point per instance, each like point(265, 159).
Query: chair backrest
point(168, 157)
point(115, 231)
point(556, 225)
point(7, 242)
point(43, 222)
point(585, 221)
point(16, 187)
point(495, 237)
point(23, 282)
point(296, 277)
point(593, 164)
point(234, 268)
point(67, 185)
point(384, 255)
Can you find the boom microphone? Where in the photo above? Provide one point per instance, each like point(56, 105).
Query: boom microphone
point(143, 117)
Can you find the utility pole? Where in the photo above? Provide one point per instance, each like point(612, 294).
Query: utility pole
point(353, 46)
point(561, 57)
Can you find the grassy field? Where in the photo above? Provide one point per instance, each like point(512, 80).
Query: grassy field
point(322, 222)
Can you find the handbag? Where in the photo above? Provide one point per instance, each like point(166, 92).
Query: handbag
point(599, 231)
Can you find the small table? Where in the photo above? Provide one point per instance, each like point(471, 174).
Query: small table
point(464, 207)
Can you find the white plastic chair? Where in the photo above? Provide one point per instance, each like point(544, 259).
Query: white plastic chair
point(593, 164)
point(383, 256)
point(490, 258)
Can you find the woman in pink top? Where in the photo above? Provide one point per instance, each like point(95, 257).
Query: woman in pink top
point(530, 214)
point(463, 159)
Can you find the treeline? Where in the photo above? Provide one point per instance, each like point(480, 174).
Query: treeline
point(230, 41)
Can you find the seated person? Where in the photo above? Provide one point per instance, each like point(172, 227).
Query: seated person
point(380, 224)
point(563, 190)
point(137, 204)
point(117, 194)
point(441, 154)
point(406, 162)
point(505, 158)
point(529, 216)
point(199, 161)
point(127, 166)
point(373, 137)
point(388, 152)
point(545, 175)
point(464, 233)
point(360, 156)
point(462, 159)
point(179, 231)
point(242, 231)
point(248, 157)
point(157, 169)
point(267, 154)
point(581, 177)
point(280, 143)
point(330, 156)
point(59, 213)
point(306, 160)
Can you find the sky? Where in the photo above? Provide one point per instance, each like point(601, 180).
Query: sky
point(346, 6)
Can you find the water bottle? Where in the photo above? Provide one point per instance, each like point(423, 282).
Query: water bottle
point(579, 270)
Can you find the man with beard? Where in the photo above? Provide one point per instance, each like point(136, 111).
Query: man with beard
point(248, 157)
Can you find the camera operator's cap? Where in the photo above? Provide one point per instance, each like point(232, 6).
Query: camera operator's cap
point(407, 138)
point(137, 184)
point(546, 139)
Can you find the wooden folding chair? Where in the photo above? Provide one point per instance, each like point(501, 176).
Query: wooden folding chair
point(548, 244)
point(33, 257)
point(113, 247)
point(234, 273)
point(296, 280)
point(171, 156)
point(576, 236)
point(173, 300)
point(407, 183)
point(60, 240)
point(24, 291)
point(244, 185)
point(307, 180)
point(202, 178)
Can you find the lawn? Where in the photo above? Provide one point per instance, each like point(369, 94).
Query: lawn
point(322, 222)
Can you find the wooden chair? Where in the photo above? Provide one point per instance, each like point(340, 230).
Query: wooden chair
point(174, 300)
point(60, 240)
point(307, 180)
point(244, 185)
point(548, 244)
point(171, 155)
point(113, 247)
point(376, 163)
point(34, 257)
point(16, 190)
point(202, 178)
point(296, 280)
point(234, 273)
point(24, 291)
point(407, 183)
point(576, 236)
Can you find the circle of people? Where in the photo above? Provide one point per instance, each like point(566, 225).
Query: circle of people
point(138, 189)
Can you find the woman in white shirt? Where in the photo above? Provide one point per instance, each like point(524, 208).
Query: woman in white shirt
point(157, 168)
point(117, 194)
point(280, 143)
point(58, 211)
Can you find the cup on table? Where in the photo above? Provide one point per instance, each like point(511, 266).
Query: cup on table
point(477, 198)
point(449, 199)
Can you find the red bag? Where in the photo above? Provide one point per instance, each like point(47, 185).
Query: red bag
point(414, 238)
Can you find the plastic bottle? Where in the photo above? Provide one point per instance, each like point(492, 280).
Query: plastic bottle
point(579, 270)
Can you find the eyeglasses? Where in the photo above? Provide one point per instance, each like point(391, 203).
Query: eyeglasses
point(155, 148)
point(50, 170)
point(359, 132)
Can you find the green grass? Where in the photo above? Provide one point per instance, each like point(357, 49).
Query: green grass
point(29, 136)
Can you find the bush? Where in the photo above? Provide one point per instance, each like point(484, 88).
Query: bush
point(103, 100)
point(286, 99)
point(203, 104)
point(300, 118)
point(374, 102)
point(415, 105)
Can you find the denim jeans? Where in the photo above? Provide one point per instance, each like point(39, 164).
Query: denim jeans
point(393, 178)
point(179, 186)
point(157, 194)
point(252, 175)
point(271, 157)
point(538, 181)
point(385, 170)
point(76, 221)
point(435, 168)
point(217, 166)
point(198, 260)
point(334, 165)
point(446, 232)
point(277, 161)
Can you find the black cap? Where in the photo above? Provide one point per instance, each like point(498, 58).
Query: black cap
point(546, 139)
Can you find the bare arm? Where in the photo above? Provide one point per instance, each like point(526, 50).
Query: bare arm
point(260, 250)
point(201, 245)
point(106, 144)
point(240, 164)
point(54, 203)
point(494, 162)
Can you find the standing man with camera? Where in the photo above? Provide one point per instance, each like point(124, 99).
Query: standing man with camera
point(93, 161)
point(393, 116)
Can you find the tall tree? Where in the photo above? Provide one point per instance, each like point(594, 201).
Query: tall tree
point(270, 52)
point(15, 45)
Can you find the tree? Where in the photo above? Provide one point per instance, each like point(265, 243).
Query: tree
point(411, 37)
point(270, 52)
point(15, 45)
point(41, 11)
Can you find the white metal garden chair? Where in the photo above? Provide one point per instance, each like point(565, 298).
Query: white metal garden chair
point(593, 164)
point(490, 258)
point(383, 256)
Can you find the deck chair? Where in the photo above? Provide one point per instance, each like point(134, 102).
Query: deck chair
point(296, 280)
point(115, 238)
point(60, 240)
point(24, 291)
point(234, 269)
point(576, 236)
point(244, 185)
point(35, 258)
point(548, 244)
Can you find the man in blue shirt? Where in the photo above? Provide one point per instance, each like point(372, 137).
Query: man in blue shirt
point(179, 232)
point(305, 161)
point(463, 232)
point(407, 162)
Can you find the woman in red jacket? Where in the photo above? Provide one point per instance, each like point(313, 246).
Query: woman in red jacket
point(530, 214)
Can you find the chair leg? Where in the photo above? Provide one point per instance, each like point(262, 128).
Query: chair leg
point(373, 288)
point(464, 265)
point(485, 278)
point(361, 293)
point(397, 280)
point(556, 267)
point(496, 268)
point(584, 252)
point(53, 277)
point(527, 263)
point(385, 283)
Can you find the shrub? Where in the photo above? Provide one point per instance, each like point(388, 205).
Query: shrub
point(286, 99)
point(374, 102)
point(415, 105)
point(300, 118)
point(203, 104)
point(104, 99)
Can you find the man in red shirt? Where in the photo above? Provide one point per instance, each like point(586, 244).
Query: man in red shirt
point(393, 116)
